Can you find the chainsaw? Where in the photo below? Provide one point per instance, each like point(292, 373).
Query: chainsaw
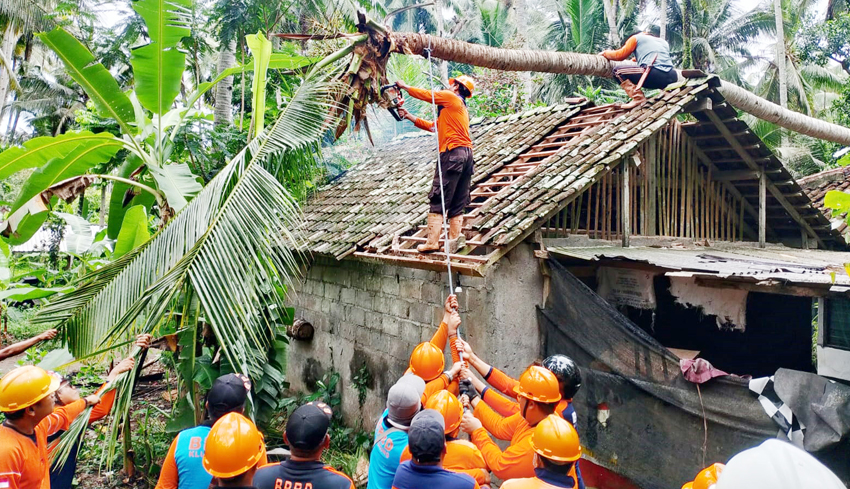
point(394, 98)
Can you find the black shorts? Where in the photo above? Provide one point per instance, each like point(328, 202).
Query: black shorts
point(655, 79)
point(458, 167)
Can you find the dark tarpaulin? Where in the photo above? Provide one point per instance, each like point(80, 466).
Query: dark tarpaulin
point(655, 434)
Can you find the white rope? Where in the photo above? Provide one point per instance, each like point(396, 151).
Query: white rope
point(439, 167)
point(440, 174)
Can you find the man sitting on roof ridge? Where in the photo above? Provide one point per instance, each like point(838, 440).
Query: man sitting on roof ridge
point(654, 64)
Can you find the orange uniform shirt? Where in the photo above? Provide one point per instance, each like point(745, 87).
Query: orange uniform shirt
point(102, 409)
point(507, 406)
point(533, 483)
point(461, 456)
point(453, 121)
point(518, 459)
point(624, 52)
point(24, 463)
point(441, 336)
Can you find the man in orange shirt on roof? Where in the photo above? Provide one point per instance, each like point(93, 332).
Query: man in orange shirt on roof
point(538, 395)
point(455, 157)
point(26, 398)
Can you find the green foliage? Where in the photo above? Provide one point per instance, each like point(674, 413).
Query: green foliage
point(134, 231)
point(261, 48)
point(98, 83)
point(838, 201)
point(158, 66)
point(498, 93)
point(361, 381)
point(822, 42)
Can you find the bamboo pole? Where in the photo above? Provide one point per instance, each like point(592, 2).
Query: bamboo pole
point(627, 229)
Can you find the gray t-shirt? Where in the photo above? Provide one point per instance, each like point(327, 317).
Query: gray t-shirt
point(647, 47)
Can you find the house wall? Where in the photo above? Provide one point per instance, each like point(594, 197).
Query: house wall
point(373, 315)
point(833, 362)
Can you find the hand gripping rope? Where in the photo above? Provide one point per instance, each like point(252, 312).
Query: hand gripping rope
point(440, 175)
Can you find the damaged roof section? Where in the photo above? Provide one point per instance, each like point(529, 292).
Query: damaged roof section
point(530, 166)
point(775, 265)
point(387, 193)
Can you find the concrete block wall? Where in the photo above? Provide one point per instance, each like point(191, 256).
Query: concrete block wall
point(373, 315)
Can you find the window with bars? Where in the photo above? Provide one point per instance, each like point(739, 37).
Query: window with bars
point(837, 323)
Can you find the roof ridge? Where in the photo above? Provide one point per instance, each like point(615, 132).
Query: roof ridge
point(823, 174)
point(527, 113)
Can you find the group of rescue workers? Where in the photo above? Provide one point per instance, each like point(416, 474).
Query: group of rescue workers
point(417, 442)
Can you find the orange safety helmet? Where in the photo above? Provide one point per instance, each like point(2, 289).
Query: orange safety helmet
point(538, 384)
point(707, 477)
point(556, 439)
point(233, 446)
point(448, 405)
point(427, 361)
point(466, 81)
point(25, 386)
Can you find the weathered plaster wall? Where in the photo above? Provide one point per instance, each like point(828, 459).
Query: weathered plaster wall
point(374, 314)
point(728, 305)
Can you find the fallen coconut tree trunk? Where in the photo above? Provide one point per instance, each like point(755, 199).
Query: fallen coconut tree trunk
point(593, 65)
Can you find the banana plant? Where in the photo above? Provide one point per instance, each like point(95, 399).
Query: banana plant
point(147, 119)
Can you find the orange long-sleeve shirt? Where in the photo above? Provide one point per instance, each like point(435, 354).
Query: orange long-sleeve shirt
point(518, 459)
point(441, 336)
point(507, 406)
point(24, 463)
point(102, 409)
point(453, 121)
point(461, 456)
point(624, 52)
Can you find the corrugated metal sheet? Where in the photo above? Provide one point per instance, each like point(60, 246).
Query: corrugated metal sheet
point(786, 265)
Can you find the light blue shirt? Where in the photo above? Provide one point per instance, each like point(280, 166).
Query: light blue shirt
point(384, 460)
point(189, 456)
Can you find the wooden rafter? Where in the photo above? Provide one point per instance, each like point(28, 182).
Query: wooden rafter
point(750, 161)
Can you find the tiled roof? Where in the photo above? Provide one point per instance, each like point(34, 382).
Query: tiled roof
point(386, 194)
point(555, 153)
point(816, 187)
point(561, 175)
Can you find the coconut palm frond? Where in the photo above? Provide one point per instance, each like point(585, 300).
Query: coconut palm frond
point(28, 14)
point(231, 243)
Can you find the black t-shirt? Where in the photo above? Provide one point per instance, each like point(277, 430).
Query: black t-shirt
point(301, 475)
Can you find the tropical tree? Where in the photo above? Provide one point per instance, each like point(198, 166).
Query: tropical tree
point(228, 257)
point(718, 35)
point(558, 62)
point(147, 174)
point(580, 28)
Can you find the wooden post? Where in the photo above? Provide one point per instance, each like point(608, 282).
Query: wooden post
point(762, 208)
point(651, 186)
point(627, 229)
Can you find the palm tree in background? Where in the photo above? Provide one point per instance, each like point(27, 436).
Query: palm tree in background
point(581, 28)
point(720, 35)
